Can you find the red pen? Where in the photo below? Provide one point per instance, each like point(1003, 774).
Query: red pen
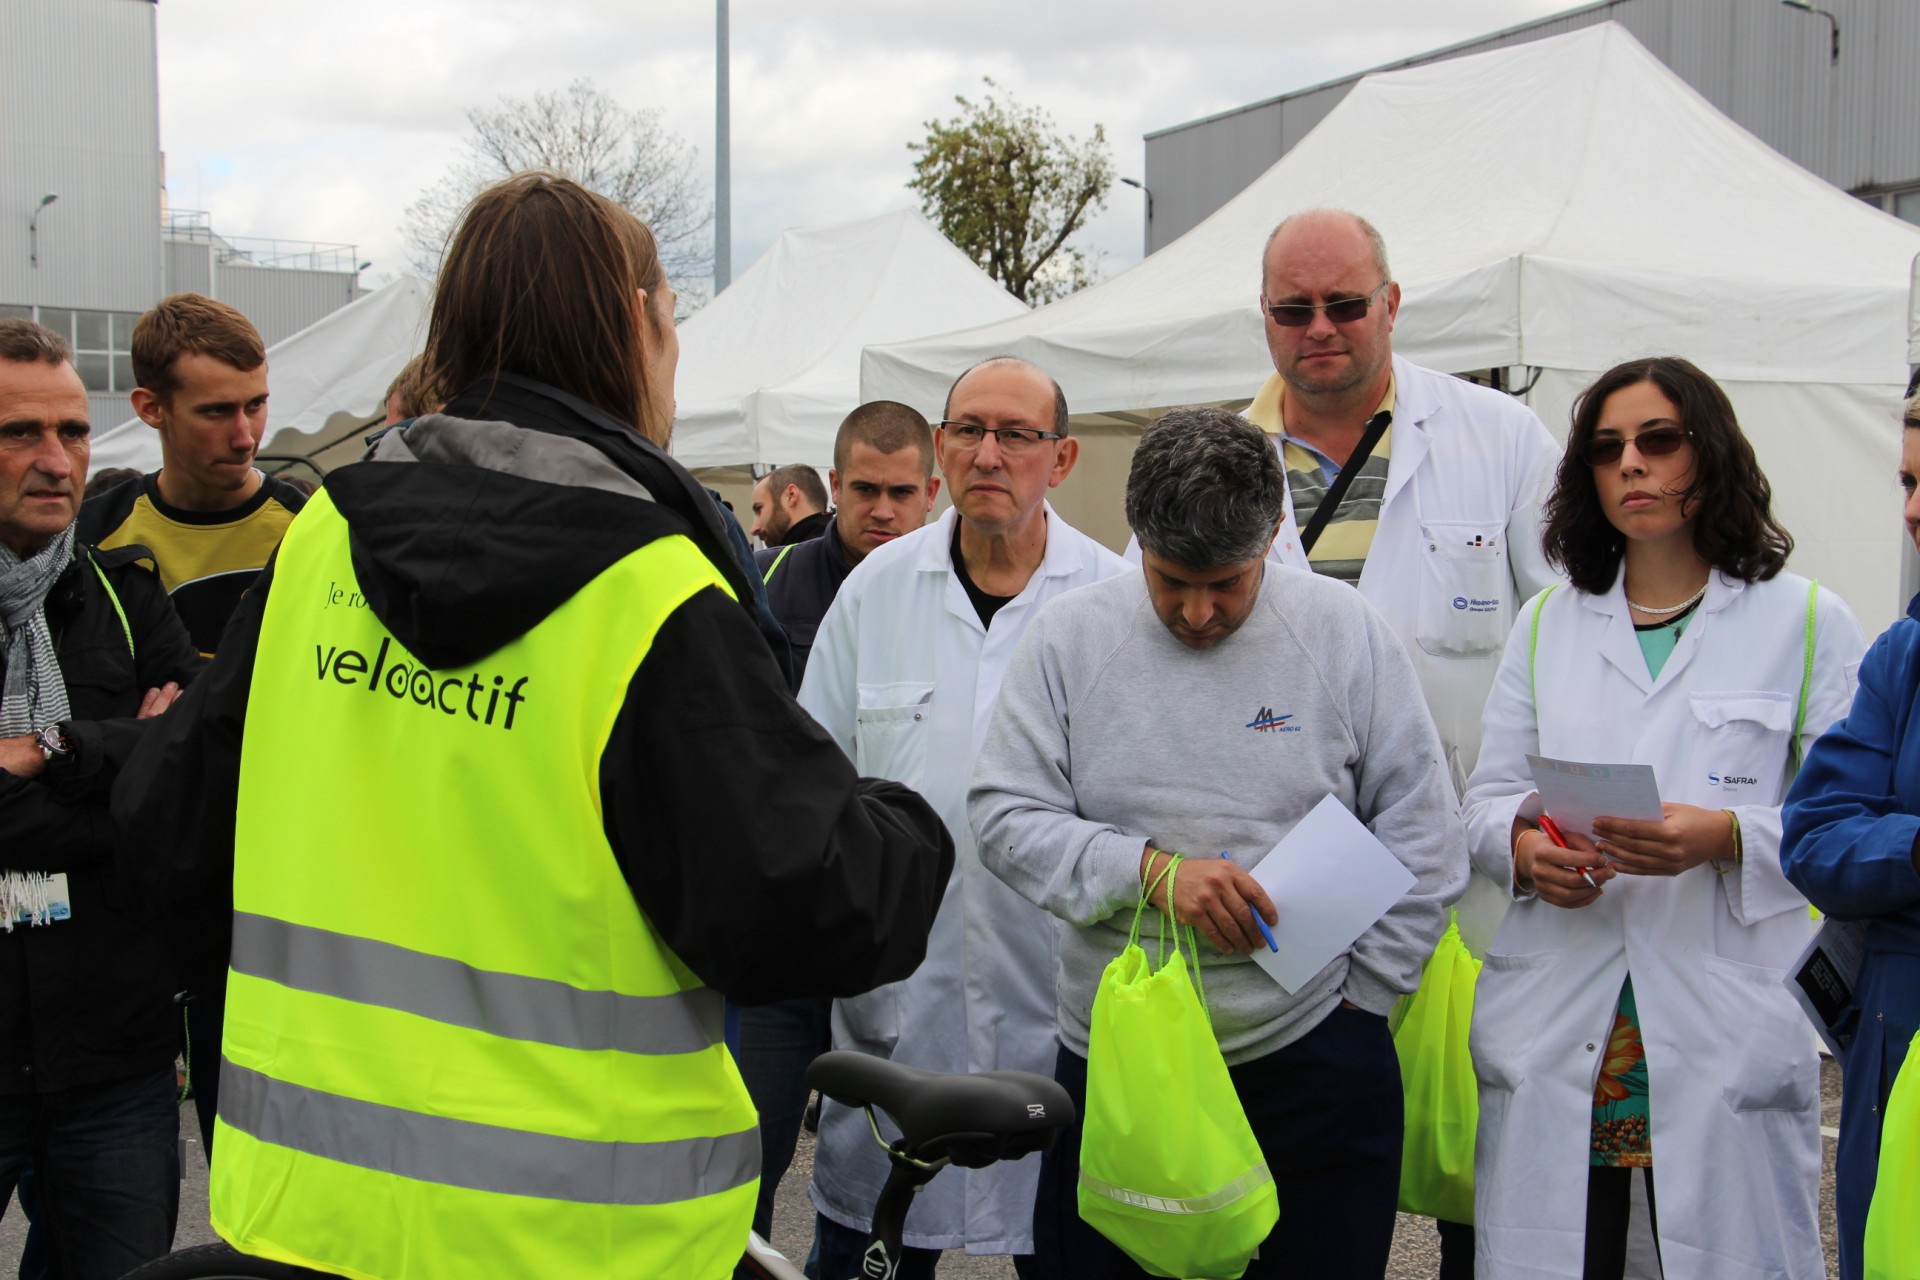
point(1552, 830)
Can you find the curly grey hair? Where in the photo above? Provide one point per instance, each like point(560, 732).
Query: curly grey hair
point(1206, 489)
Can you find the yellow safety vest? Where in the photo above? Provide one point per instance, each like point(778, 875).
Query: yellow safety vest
point(454, 1045)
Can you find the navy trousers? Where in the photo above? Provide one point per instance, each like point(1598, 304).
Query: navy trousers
point(106, 1166)
point(777, 1042)
point(1327, 1113)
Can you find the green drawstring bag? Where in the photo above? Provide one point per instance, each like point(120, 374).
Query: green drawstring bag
point(1436, 1073)
point(1169, 1169)
point(1892, 1250)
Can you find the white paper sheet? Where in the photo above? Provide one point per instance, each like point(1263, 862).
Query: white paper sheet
point(1575, 793)
point(1331, 880)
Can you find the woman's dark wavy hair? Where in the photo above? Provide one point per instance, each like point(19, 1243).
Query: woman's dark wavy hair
point(1730, 499)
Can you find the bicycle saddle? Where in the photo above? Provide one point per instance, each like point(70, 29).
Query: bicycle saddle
point(971, 1120)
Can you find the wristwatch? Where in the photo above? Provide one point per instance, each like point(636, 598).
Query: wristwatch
point(53, 744)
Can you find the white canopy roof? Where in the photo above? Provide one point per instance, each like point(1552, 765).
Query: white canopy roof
point(770, 367)
point(343, 362)
point(1564, 203)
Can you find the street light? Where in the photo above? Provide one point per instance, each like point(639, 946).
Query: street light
point(1805, 6)
point(1142, 188)
point(33, 228)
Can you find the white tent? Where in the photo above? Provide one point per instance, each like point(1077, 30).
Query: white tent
point(770, 367)
point(337, 368)
point(1564, 205)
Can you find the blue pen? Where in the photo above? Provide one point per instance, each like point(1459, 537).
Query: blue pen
point(1264, 931)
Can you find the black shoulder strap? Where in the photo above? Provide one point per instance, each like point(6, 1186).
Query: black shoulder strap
point(1376, 427)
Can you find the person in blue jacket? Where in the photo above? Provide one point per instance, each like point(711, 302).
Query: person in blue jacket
point(1852, 846)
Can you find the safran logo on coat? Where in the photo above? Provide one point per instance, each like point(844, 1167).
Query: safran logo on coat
point(405, 682)
point(1731, 781)
point(1267, 722)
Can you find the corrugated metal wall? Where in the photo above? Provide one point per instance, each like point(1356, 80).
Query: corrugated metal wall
point(79, 116)
point(1768, 67)
point(281, 301)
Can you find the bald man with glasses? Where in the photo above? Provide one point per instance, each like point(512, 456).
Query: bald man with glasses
point(904, 673)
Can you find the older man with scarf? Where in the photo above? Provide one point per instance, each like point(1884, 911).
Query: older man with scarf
point(89, 647)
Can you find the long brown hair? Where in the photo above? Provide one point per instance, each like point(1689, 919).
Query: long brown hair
point(1729, 498)
point(539, 280)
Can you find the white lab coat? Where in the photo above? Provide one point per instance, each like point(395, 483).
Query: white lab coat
point(903, 675)
point(1733, 1081)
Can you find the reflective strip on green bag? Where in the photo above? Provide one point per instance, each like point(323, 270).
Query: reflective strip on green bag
point(1169, 1168)
point(1892, 1250)
point(1246, 1184)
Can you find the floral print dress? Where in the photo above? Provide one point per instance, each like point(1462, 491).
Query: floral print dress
point(1620, 1118)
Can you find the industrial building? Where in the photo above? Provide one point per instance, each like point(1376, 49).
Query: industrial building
point(87, 240)
point(1832, 87)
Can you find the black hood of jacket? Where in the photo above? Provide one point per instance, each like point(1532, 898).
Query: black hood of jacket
point(458, 559)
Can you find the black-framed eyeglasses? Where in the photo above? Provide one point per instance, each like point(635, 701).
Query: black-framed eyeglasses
point(968, 435)
point(1655, 442)
point(1298, 315)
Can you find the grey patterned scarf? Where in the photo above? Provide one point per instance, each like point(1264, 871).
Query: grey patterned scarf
point(35, 693)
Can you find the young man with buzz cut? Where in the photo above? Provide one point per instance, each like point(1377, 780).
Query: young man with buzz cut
point(208, 517)
point(883, 486)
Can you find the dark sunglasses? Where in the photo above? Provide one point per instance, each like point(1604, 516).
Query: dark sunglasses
point(1298, 315)
point(1657, 442)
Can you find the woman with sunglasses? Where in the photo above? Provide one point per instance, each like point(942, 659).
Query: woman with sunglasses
point(1853, 847)
point(1630, 1013)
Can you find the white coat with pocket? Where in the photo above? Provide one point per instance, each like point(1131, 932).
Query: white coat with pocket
point(1734, 1088)
point(1458, 543)
point(904, 677)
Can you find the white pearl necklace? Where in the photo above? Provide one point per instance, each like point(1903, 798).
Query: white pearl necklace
point(1688, 603)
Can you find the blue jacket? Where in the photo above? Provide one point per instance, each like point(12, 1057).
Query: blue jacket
point(1850, 823)
point(1852, 816)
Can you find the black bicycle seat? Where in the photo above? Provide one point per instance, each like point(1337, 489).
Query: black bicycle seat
point(972, 1120)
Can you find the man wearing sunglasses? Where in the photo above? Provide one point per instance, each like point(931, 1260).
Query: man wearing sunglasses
point(904, 673)
point(1418, 487)
point(1438, 524)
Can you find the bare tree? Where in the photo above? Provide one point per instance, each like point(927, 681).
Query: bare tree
point(584, 134)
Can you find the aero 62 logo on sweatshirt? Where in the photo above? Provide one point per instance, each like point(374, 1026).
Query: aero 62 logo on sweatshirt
point(1267, 722)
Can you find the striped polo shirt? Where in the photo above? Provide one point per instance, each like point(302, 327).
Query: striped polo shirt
point(1341, 551)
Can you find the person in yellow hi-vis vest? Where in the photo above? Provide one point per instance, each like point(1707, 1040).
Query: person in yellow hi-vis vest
point(553, 801)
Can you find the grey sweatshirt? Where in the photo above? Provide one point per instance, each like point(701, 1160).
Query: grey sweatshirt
point(1110, 734)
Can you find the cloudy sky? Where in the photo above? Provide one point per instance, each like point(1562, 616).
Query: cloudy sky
point(324, 122)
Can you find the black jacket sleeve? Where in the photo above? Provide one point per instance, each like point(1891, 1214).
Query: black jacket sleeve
point(163, 653)
point(175, 799)
point(768, 866)
point(58, 821)
point(45, 833)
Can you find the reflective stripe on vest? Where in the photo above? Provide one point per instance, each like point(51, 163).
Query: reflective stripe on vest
point(448, 1023)
point(502, 1004)
point(481, 1157)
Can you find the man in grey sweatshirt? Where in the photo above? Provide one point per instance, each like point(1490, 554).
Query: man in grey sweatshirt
point(1204, 705)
